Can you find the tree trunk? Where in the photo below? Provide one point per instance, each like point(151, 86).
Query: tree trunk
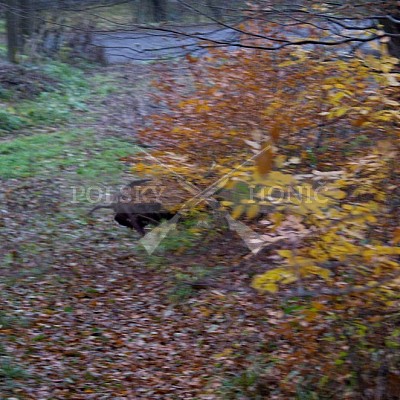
point(144, 11)
point(160, 10)
point(12, 30)
point(393, 27)
point(27, 19)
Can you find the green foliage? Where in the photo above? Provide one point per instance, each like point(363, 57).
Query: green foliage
point(6, 321)
point(245, 385)
point(3, 51)
point(39, 338)
point(153, 261)
point(5, 94)
point(70, 91)
point(66, 74)
point(56, 106)
point(9, 121)
point(10, 371)
point(49, 108)
point(181, 293)
point(53, 106)
point(106, 152)
point(182, 289)
point(186, 236)
point(10, 321)
point(329, 216)
point(306, 395)
point(2, 26)
point(30, 156)
point(104, 85)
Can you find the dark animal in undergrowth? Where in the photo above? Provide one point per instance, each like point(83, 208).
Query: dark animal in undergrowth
point(140, 221)
point(133, 215)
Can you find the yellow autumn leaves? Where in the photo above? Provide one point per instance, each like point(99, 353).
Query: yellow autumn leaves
point(284, 193)
point(299, 267)
point(340, 228)
point(296, 267)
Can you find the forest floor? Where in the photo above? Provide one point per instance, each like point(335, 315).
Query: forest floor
point(85, 312)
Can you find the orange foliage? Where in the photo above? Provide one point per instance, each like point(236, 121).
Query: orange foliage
point(303, 115)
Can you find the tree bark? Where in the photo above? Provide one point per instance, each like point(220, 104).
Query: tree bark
point(27, 19)
point(393, 27)
point(144, 11)
point(12, 30)
point(160, 10)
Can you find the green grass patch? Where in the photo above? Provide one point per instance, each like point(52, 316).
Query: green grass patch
point(6, 321)
point(3, 50)
point(104, 85)
point(50, 108)
point(190, 231)
point(182, 290)
point(11, 371)
point(243, 385)
point(2, 26)
point(64, 98)
point(81, 151)
point(9, 119)
point(249, 383)
point(180, 293)
point(67, 91)
point(9, 321)
point(56, 106)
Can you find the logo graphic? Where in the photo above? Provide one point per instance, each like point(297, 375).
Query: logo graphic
point(153, 239)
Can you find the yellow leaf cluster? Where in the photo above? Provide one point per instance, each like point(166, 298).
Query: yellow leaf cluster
point(269, 281)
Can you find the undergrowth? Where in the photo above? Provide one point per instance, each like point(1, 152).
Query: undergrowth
point(74, 150)
point(63, 99)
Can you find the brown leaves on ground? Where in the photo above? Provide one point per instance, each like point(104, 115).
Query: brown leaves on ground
point(102, 329)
